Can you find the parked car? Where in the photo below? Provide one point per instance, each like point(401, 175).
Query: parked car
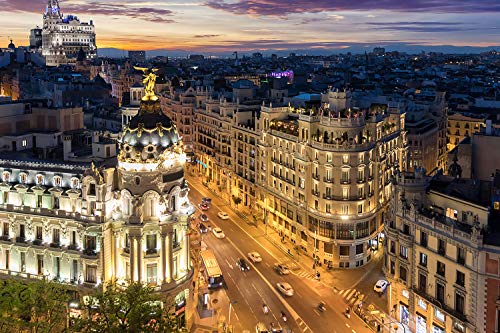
point(255, 257)
point(242, 264)
point(207, 201)
point(282, 269)
point(203, 206)
point(380, 286)
point(223, 215)
point(285, 288)
point(218, 232)
point(203, 228)
point(204, 217)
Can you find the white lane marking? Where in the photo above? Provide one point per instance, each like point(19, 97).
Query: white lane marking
point(353, 331)
point(231, 266)
point(350, 293)
point(346, 324)
point(316, 312)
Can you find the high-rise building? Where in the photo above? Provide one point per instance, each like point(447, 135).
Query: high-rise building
point(35, 38)
point(64, 36)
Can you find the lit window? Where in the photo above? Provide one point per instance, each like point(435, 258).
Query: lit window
point(57, 181)
point(422, 304)
point(39, 179)
point(75, 182)
point(24, 143)
point(345, 159)
point(23, 178)
point(5, 176)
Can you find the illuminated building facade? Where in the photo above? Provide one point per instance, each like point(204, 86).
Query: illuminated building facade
point(85, 225)
point(64, 36)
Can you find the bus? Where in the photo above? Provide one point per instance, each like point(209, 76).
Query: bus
point(211, 270)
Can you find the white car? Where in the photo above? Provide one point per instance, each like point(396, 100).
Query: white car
point(285, 288)
point(282, 269)
point(380, 286)
point(255, 256)
point(218, 232)
point(223, 215)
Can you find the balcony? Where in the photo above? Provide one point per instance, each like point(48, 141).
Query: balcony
point(55, 245)
point(21, 240)
point(5, 238)
point(452, 312)
point(328, 180)
point(176, 246)
point(151, 251)
point(37, 242)
point(89, 253)
point(361, 180)
point(315, 193)
point(315, 177)
point(345, 181)
point(126, 250)
point(73, 247)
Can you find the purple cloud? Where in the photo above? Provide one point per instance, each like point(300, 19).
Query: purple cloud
point(207, 36)
point(94, 8)
point(283, 8)
point(423, 26)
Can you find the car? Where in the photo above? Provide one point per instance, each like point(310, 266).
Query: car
point(380, 286)
point(223, 215)
point(203, 228)
point(204, 217)
point(206, 201)
point(218, 232)
point(261, 328)
point(242, 264)
point(282, 269)
point(285, 288)
point(203, 206)
point(255, 256)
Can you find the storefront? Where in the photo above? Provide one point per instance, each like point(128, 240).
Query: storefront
point(404, 314)
point(180, 309)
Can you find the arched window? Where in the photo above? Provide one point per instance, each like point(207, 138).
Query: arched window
point(23, 178)
point(5, 176)
point(57, 181)
point(39, 179)
point(75, 182)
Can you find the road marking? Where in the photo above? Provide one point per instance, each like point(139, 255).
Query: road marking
point(346, 324)
point(353, 331)
point(319, 314)
point(229, 264)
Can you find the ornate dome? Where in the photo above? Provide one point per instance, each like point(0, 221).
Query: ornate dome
point(149, 134)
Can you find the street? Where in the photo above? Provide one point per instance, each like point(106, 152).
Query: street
point(248, 291)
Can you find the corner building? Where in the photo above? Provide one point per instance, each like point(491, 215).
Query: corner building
point(324, 176)
point(85, 225)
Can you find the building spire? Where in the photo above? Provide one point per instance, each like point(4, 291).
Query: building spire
point(53, 9)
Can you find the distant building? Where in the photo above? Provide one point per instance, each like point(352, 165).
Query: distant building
point(63, 37)
point(378, 51)
point(35, 38)
point(137, 56)
point(196, 57)
point(460, 126)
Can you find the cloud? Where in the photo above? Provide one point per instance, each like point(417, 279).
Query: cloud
point(122, 9)
point(207, 36)
point(282, 8)
point(422, 26)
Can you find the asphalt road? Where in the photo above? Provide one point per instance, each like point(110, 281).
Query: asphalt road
point(249, 290)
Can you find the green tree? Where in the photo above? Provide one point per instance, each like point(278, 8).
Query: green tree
point(132, 308)
point(236, 200)
point(37, 306)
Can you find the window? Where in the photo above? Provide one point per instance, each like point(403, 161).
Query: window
point(345, 159)
point(392, 248)
point(345, 193)
point(441, 268)
point(90, 243)
point(39, 264)
point(39, 179)
point(56, 236)
point(91, 274)
point(39, 233)
point(345, 209)
point(152, 273)
point(423, 239)
point(329, 157)
point(422, 282)
point(459, 303)
point(150, 244)
point(403, 252)
point(452, 213)
point(441, 247)
point(402, 273)
point(75, 182)
point(360, 208)
point(344, 250)
point(422, 304)
point(6, 176)
point(393, 267)
point(423, 259)
point(23, 261)
point(439, 315)
point(57, 181)
point(460, 279)
point(461, 256)
point(440, 292)
point(359, 248)
point(24, 143)
point(345, 176)
point(23, 178)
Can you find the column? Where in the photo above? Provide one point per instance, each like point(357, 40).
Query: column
point(186, 250)
point(163, 258)
point(170, 257)
point(139, 259)
point(132, 258)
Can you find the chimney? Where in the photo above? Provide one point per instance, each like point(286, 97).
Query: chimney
point(488, 126)
point(66, 147)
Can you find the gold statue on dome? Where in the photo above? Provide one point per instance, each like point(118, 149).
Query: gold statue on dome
point(149, 83)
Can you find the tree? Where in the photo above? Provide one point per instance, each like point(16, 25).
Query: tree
point(132, 308)
point(236, 200)
point(37, 306)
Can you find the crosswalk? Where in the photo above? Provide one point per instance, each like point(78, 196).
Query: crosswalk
point(303, 326)
point(352, 296)
point(303, 274)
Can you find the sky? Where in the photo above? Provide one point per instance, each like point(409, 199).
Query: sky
point(226, 25)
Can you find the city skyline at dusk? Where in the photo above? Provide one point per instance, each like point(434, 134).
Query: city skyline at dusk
point(221, 26)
